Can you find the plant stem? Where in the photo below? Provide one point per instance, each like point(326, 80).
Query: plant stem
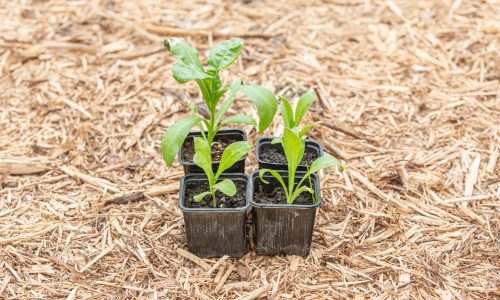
point(211, 129)
point(214, 200)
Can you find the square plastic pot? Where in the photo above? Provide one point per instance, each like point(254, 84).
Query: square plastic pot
point(311, 145)
point(215, 232)
point(191, 168)
point(282, 228)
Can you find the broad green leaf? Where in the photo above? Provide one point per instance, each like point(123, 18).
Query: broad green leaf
point(293, 147)
point(200, 197)
point(226, 186)
point(181, 49)
point(287, 113)
point(203, 157)
point(174, 137)
point(224, 54)
point(275, 175)
point(324, 162)
point(184, 73)
point(264, 101)
point(277, 140)
point(189, 57)
point(232, 154)
point(303, 106)
point(214, 84)
point(299, 191)
point(240, 119)
point(233, 90)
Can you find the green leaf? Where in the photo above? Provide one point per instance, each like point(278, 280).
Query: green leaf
point(220, 93)
point(303, 106)
point(232, 154)
point(306, 128)
point(293, 147)
point(277, 140)
point(224, 54)
point(264, 101)
point(275, 175)
point(184, 73)
point(299, 191)
point(200, 197)
point(287, 113)
point(214, 84)
point(233, 89)
point(189, 57)
point(203, 157)
point(240, 119)
point(324, 162)
point(182, 50)
point(174, 137)
point(226, 186)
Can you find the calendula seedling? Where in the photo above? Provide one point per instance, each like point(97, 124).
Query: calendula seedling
point(203, 159)
point(292, 120)
point(294, 146)
point(187, 68)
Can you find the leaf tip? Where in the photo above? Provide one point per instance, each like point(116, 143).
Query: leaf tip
point(166, 44)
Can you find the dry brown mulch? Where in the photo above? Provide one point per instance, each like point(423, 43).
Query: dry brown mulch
point(408, 90)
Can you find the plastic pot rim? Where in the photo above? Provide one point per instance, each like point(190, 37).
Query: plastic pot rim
point(190, 177)
point(317, 192)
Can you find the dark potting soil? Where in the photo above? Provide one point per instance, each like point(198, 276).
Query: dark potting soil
point(273, 193)
point(218, 147)
point(223, 201)
point(274, 154)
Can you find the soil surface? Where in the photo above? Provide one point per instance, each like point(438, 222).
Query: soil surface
point(273, 193)
point(218, 147)
point(274, 154)
point(223, 201)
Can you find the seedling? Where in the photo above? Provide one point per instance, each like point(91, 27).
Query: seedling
point(293, 146)
point(189, 68)
point(203, 159)
point(292, 120)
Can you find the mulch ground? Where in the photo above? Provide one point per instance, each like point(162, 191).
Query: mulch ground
point(409, 95)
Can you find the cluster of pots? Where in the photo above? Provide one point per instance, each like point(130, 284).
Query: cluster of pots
point(277, 228)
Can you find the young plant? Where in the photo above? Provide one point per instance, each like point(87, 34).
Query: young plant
point(292, 120)
point(293, 146)
point(203, 159)
point(189, 68)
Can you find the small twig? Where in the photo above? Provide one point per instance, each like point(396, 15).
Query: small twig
point(194, 259)
point(125, 199)
point(172, 31)
point(95, 181)
point(350, 133)
point(257, 293)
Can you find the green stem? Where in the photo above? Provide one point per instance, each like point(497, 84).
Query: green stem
point(214, 201)
point(291, 184)
point(202, 130)
point(310, 183)
point(211, 130)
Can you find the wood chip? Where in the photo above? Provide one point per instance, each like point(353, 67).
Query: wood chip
point(95, 181)
point(24, 165)
point(194, 259)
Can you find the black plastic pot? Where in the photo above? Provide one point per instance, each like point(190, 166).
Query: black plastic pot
point(215, 232)
point(282, 228)
point(311, 145)
point(191, 168)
